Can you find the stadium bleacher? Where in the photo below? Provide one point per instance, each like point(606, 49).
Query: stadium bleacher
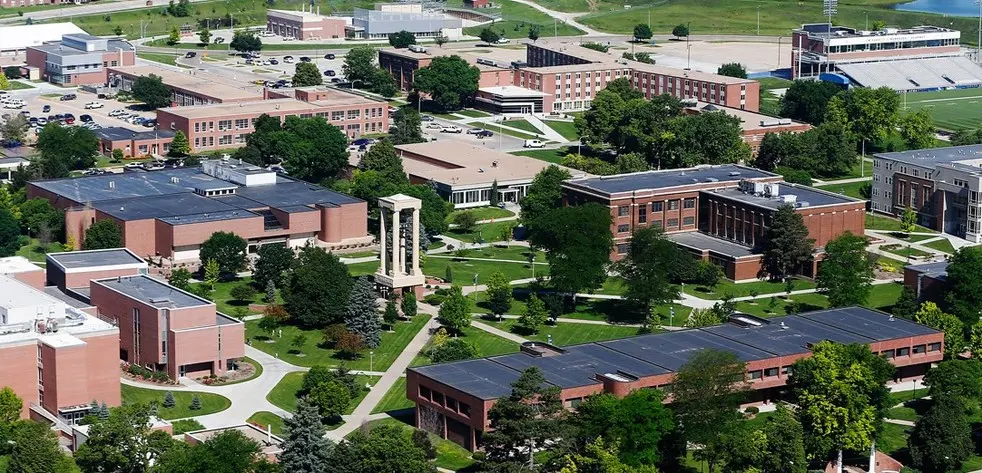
point(915, 74)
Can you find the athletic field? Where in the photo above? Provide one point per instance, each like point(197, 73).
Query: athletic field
point(951, 109)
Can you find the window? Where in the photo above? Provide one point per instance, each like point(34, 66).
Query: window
point(786, 370)
point(688, 221)
point(936, 346)
point(673, 223)
point(656, 224)
point(224, 124)
point(623, 211)
point(919, 349)
point(769, 372)
point(903, 351)
point(575, 402)
point(464, 409)
point(242, 123)
point(643, 214)
point(623, 248)
point(690, 203)
point(754, 374)
point(657, 206)
point(352, 114)
point(438, 398)
point(451, 404)
point(887, 354)
point(673, 204)
point(623, 228)
point(424, 392)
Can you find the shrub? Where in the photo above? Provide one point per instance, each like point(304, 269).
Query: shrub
point(169, 400)
point(195, 403)
point(333, 333)
point(434, 299)
point(243, 292)
point(422, 441)
point(752, 410)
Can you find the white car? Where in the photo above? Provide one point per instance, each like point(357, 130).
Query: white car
point(267, 34)
point(434, 126)
point(502, 41)
point(474, 131)
point(13, 105)
point(42, 121)
point(534, 144)
point(452, 129)
point(93, 105)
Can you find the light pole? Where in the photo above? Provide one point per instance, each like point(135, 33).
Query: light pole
point(978, 45)
point(867, 19)
point(371, 361)
point(758, 20)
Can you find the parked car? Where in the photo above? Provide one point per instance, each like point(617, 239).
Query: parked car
point(363, 142)
point(287, 59)
point(267, 34)
point(474, 131)
point(46, 109)
point(329, 56)
point(452, 129)
point(330, 73)
point(502, 41)
point(426, 118)
point(434, 126)
point(116, 113)
point(93, 105)
point(534, 144)
point(42, 121)
point(274, 62)
point(335, 80)
point(485, 134)
point(190, 54)
point(67, 97)
point(69, 120)
point(85, 118)
point(304, 59)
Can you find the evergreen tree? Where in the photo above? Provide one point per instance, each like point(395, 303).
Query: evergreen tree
point(94, 408)
point(941, 439)
point(409, 305)
point(524, 421)
point(361, 315)
point(448, 275)
point(787, 245)
point(906, 305)
point(195, 403)
point(494, 193)
point(454, 312)
point(270, 293)
point(305, 450)
point(535, 314)
point(179, 145)
point(103, 411)
point(169, 400)
point(498, 293)
point(391, 314)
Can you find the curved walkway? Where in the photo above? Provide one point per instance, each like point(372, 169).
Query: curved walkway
point(568, 18)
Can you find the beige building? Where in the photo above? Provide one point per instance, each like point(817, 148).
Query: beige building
point(187, 88)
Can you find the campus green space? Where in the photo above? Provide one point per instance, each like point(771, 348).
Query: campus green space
point(482, 213)
point(226, 304)
point(484, 232)
point(566, 333)
point(469, 112)
point(394, 399)
point(523, 124)
point(17, 85)
point(266, 418)
point(515, 253)
point(941, 245)
point(563, 128)
point(777, 17)
point(284, 394)
point(210, 403)
point(850, 189)
point(463, 270)
point(742, 289)
point(554, 156)
point(186, 425)
point(951, 109)
point(313, 351)
point(487, 344)
point(770, 104)
point(881, 297)
point(36, 252)
point(905, 251)
point(516, 19)
point(449, 456)
point(24, 11)
point(507, 131)
point(159, 57)
point(890, 224)
point(363, 269)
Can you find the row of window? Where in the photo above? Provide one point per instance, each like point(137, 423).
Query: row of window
point(928, 43)
point(672, 223)
point(917, 350)
point(447, 402)
point(659, 206)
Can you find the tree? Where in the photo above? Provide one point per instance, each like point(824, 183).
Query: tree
point(578, 244)
point(942, 439)
point(533, 33)
point(840, 392)
point(454, 313)
point(954, 338)
point(359, 64)
point(543, 195)
point(13, 128)
point(361, 314)
point(917, 130)
point(680, 31)
point(174, 36)
point(245, 41)
point(786, 244)
point(453, 349)
point(10, 407)
point(269, 293)
point(406, 127)
point(102, 235)
point(494, 200)
point(179, 145)
point(226, 248)
point(498, 293)
point(733, 69)
point(384, 448)
point(906, 305)
point(310, 148)
point(708, 274)
point(955, 379)
point(706, 138)
point(706, 398)
point(408, 305)
point(870, 114)
point(433, 215)
point(243, 292)
point(273, 262)
point(524, 421)
point(152, 91)
point(391, 314)
point(35, 449)
point(212, 273)
point(40, 218)
point(12, 72)
point(320, 374)
point(306, 74)
point(401, 39)
point(489, 36)
point(534, 315)
point(964, 295)
point(331, 399)
point(465, 221)
point(63, 149)
point(600, 456)
point(204, 36)
point(646, 270)
point(195, 403)
point(807, 100)
point(305, 449)
point(169, 400)
point(638, 424)
point(9, 234)
point(846, 273)
point(384, 84)
point(123, 443)
point(383, 159)
point(449, 80)
point(642, 32)
point(316, 291)
point(785, 451)
point(441, 40)
point(908, 221)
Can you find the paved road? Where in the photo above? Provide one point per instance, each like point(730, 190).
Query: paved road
point(88, 9)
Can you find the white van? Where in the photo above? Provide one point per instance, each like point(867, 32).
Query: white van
point(534, 144)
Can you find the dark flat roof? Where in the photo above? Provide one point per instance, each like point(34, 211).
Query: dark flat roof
point(804, 196)
point(140, 208)
point(653, 180)
point(671, 350)
point(932, 156)
point(93, 258)
point(784, 336)
point(153, 292)
point(869, 323)
point(115, 133)
point(936, 269)
point(481, 378)
point(701, 241)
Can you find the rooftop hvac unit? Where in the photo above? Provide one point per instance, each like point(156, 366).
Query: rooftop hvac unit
point(734, 173)
point(788, 199)
point(802, 204)
point(712, 179)
point(417, 48)
point(784, 121)
point(772, 190)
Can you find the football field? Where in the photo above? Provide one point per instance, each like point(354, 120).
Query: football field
point(951, 109)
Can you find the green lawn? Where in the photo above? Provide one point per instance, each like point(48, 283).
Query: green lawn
point(854, 172)
point(222, 296)
point(159, 57)
point(951, 109)
point(882, 222)
point(463, 270)
point(515, 253)
point(566, 333)
point(516, 19)
point(523, 124)
point(509, 132)
point(449, 455)
point(314, 354)
point(266, 418)
point(284, 394)
point(469, 112)
point(850, 189)
point(363, 269)
point(394, 399)
point(210, 403)
point(770, 104)
point(882, 297)
point(905, 251)
point(892, 439)
point(554, 156)
point(487, 345)
point(483, 213)
point(186, 425)
point(17, 85)
point(941, 245)
point(564, 128)
point(36, 252)
point(742, 289)
point(486, 232)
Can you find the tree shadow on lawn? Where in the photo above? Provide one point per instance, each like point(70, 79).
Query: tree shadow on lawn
point(613, 311)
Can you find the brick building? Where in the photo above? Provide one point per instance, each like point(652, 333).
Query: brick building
point(55, 357)
point(753, 126)
point(403, 64)
point(187, 88)
point(453, 399)
point(942, 185)
point(224, 126)
point(80, 59)
point(719, 213)
point(571, 75)
point(928, 280)
point(167, 329)
point(167, 214)
point(72, 271)
point(133, 143)
point(304, 25)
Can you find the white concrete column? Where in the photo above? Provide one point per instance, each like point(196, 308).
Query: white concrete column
point(416, 271)
point(382, 267)
point(396, 245)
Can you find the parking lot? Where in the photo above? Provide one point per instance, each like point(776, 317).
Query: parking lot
point(262, 68)
point(498, 141)
point(36, 103)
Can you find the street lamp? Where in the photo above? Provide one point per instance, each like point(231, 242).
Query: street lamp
point(371, 361)
point(978, 45)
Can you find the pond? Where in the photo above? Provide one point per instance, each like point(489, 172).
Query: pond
point(942, 7)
